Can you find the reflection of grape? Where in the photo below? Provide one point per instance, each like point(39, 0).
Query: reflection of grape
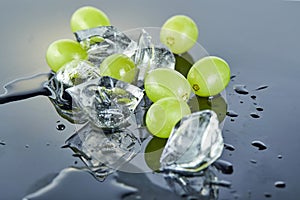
point(163, 115)
point(118, 66)
point(182, 65)
point(179, 33)
point(153, 152)
point(217, 104)
point(209, 76)
point(63, 51)
point(165, 82)
point(88, 17)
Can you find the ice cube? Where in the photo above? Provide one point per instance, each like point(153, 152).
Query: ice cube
point(103, 151)
point(198, 186)
point(104, 41)
point(194, 144)
point(150, 56)
point(71, 74)
point(108, 102)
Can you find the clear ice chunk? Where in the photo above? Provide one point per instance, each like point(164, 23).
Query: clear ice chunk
point(194, 144)
point(103, 151)
point(104, 41)
point(108, 102)
point(71, 74)
point(199, 186)
point(150, 56)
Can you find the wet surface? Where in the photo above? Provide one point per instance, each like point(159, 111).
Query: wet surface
point(261, 49)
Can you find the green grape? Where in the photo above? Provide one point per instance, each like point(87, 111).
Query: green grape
point(179, 33)
point(118, 66)
point(209, 76)
point(163, 115)
point(63, 51)
point(153, 152)
point(164, 82)
point(88, 17)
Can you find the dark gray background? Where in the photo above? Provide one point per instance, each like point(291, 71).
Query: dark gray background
point(260, 41)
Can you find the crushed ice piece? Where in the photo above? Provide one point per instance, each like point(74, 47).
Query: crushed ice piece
point(104, 41)
point(194, 144)
point(199, 186)
point(101, 150)
point(150, 56)
point(71, 74)
point(108, 102)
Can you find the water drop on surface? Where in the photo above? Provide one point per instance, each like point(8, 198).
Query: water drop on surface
point(253, 161)
point(229, 147)
point(240, 89)
point(267, 195)
point(279, 156)
point(231, 113)
point(254, 115)
point(253, 97)
point(259, 109)
point(261, 87)
point(260, 145)
point(280, 184)
point(2, 143)
point(26, 146)
point(224, 166)
point(60, 127)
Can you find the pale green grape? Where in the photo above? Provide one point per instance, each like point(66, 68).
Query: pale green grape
point(179, 33)
point(209, 76)
point(163, 115)
point(63, 51)
point(118, 66)
point(164, 82)
point(88, 17)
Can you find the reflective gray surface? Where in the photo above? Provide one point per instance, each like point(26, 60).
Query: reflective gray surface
point(260, 41)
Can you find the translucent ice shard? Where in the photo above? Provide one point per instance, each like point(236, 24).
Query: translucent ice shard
point(71, 74)
point(103, 41)
point(150, 56)
point(194, 144)
point(108, 102)
point(103, 151)
point(203, 185)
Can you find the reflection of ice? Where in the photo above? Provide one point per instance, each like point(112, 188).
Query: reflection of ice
point(71, 74)
point(194, 144)
point(149, 56)
point(104, 41)
point(108, 102)
point(104, 151)
point(202, 186)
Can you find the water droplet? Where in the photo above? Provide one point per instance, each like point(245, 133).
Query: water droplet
point(232, 77)
point(27, 146)
point(261, 87)
point(224, 166)
point(259, 144)
point(253, 161)
point(279, 156)
point(231, 113)
point(253, 97)
point(241, 102)
point(240, 89)
point(2, 143)
point(280, 184)
point(259, 109)
point(232, 119)
point(267, 195)
point(254, 115)
point(60, 127)
point(229, 147)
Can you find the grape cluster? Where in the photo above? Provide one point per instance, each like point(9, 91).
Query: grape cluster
point(168, 89)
